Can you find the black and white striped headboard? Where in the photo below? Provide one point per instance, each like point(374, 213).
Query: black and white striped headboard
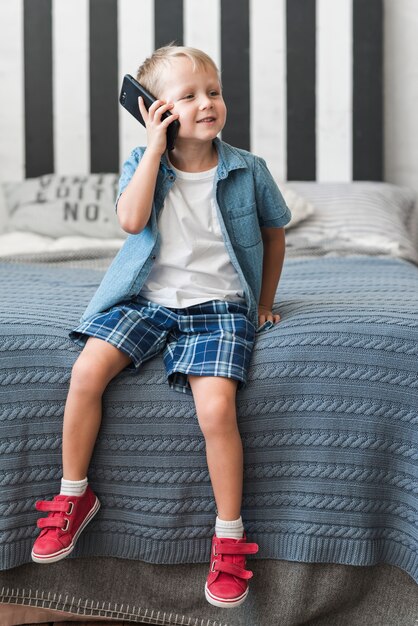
point(302, 81)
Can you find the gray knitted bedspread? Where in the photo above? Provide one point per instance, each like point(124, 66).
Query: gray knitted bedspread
point(329, 421)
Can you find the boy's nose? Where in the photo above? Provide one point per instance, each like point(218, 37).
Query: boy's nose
point(205, 103)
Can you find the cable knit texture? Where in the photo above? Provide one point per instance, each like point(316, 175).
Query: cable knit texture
point(328, 419)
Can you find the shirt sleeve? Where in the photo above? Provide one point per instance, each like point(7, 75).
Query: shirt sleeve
point(128, 170)
point(271, 207)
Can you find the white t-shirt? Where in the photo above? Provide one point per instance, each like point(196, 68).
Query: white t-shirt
point(193, 264)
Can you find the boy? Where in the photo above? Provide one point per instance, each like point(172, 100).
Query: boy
point(195, 279)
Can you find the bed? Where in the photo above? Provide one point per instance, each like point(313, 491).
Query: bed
point(328, 420)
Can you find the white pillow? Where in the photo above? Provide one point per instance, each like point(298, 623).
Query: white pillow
point(3, 211)
point(25, 243)
point(356, 218)
point(59, 206)
point(299, 206)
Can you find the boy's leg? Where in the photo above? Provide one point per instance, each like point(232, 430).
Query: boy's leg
point(97, 365)
point(214, 398)
point(68, 513)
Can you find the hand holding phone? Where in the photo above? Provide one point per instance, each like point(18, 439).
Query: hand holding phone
point(128, 98)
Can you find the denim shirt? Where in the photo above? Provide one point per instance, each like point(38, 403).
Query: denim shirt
point(247, 198)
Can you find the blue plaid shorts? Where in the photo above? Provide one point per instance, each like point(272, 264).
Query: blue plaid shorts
point(213, 338)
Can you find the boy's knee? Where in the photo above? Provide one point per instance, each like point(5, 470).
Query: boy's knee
point(97, 365)
point(87, 375)
point(217, 415)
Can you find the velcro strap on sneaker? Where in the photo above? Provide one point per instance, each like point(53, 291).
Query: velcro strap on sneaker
point(51, 522)
point(230, 568)
point(236, 548)
point(53, 506)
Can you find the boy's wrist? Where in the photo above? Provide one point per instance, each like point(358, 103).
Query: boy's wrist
point(152, 153)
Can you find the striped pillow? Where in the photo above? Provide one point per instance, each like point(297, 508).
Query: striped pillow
point(358, 217)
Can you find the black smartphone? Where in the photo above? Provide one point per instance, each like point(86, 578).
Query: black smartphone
point(128, 98)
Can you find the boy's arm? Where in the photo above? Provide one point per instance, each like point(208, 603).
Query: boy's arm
point(135, 203)
point(273, 257)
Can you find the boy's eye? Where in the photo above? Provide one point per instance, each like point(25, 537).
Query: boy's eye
point(188, 97)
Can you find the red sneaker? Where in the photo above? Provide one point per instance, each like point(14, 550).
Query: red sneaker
point(68, 516)
point(227, 583)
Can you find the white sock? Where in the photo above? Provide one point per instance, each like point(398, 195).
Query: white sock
point(73, 487)
point(232, 529)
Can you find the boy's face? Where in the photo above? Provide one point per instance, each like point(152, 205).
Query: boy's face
point(197, 99)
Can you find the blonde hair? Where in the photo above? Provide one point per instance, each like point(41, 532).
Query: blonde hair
point(150, 73)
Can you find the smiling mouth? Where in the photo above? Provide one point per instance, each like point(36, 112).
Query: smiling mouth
point(206, 120)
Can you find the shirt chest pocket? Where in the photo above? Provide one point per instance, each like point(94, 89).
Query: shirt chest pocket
point(245, 227)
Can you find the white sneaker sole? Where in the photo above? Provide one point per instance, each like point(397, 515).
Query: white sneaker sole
point(225, 604)
point(61, 554)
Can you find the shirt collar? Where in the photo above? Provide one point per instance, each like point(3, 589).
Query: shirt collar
point(229, 158)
